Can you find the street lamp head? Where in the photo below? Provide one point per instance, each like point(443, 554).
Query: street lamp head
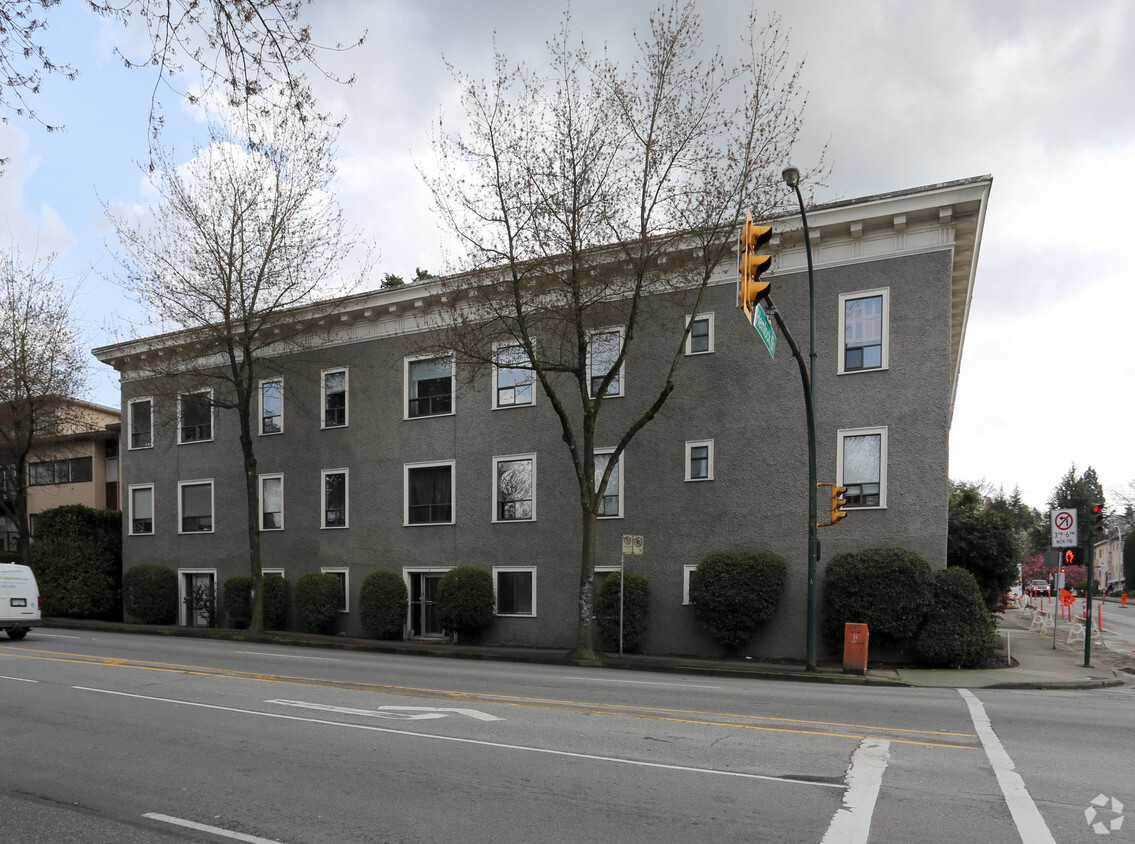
point(791, 176)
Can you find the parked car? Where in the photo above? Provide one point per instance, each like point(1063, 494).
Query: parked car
point(1039, 587)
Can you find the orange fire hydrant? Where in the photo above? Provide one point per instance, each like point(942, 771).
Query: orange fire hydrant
point(855, 648)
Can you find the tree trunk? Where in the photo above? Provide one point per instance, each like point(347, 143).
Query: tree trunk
point(252, 497)
point(584, 649)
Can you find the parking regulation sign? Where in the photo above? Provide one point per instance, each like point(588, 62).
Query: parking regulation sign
point(1063, 528)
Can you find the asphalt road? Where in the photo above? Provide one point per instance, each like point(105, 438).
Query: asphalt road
point(138, 738)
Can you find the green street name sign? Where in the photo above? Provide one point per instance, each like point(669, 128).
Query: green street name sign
point(764, 328)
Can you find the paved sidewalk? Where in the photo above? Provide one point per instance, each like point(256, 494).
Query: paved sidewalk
point(1037, 664)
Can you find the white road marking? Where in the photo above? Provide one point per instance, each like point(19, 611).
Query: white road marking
point(852, 823)
point(18, 679)
point(215, 830)
point(39, 635)
point(643, 683)
point(409, 713)
point(1026, 815)
point(458, 740)
point(290, 656)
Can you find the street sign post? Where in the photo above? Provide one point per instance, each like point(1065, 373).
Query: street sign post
point(1063, 528)
point(764, 328)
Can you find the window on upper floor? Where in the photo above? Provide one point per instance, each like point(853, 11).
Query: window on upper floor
point(429, 386)
point(512, 380)
point(602, 352)
point(272, 406)
point(514, 493)
point(862, 465)
point(195, 506)
point(75, 470)
point(515, 588)
point(335, 500)
point(334, 395)
point(195, 417)
point(863, 326)
point(271, 502)
point(700, 341)
point(141, 502)
point(699, 460)
point(611, 506)
point(140, 423)
point(429, 493)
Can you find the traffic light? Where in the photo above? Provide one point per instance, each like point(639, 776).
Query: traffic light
point(750, 289)
point(838, 502)
point(1097, 518)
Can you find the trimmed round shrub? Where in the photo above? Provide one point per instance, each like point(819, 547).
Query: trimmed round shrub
point(465, 603)
point(237, 598)
point(888, 589)
point(149, 593)
point(383, 604)
point(734, 592)
point(77, 560)
point(959, 631)
point(636, 605)
point(317, 600)
point(277, 595)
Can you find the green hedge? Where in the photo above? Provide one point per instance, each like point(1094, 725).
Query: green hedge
point(237, 598)
point(959, 631)
point(383, 604)
point(888, 589)
point(77, 560)
point(149, 594)
point(733, 593)
point(277, 598)
point(317, 600)
point(636, 607)
point(465, 601)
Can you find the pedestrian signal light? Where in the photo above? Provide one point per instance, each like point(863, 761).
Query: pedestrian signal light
point(750, 289)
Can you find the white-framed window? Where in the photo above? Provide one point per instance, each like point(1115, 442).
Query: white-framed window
point(335, 498)
point(344, 576)
point(514, 488)
point(141, 502)
point(513, 380)
point(272, 502)
point(611, 507)
point(195, 506)
point(429, 386)
point(515, 589)
point(333, 395)
point(264, 571)
point(699, 460)
point(140, 423)
point(864, 330)
point(272, 406)
point(687, 573)
point(428, 493)
point(601, 575)
point(195, 417)
point(603, 348)
point(700, 340)
point(861, 461)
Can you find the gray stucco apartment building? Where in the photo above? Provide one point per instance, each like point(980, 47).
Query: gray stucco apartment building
point(372, 457)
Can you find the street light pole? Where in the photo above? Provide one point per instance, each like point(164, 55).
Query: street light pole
point(791, 177)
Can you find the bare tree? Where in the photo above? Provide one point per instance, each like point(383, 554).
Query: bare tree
point(41, 368)
point(254, 53)
point(587, 197)
point(242, 244)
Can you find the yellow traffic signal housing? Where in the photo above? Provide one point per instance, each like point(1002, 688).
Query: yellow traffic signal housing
point(838, 503)
point(751, 289)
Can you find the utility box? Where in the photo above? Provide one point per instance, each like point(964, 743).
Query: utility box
point(855, 648)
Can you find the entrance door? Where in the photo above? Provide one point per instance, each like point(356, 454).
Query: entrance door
point(423, 610)
point(199, 594)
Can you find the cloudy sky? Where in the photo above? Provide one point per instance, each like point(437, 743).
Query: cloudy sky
point(1036, 93)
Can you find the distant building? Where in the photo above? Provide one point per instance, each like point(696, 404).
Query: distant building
point(371, 457)
point(78, 465)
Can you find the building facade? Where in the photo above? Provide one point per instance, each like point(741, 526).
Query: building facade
point(375, 455)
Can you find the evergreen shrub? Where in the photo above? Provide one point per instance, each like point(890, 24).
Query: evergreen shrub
point(959, 631)
point(465, 602)
point(237, 598)
point(734, 592)
point(277, 596)
point(77, 560)
point(636, 606)
point(383, 604)
point(317, 600)
point(149, 593)
point(888, 589)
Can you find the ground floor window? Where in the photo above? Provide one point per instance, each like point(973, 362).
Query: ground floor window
point(515, 590)
point(344, 576)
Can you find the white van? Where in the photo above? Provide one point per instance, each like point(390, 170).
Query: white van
point(19, 600)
